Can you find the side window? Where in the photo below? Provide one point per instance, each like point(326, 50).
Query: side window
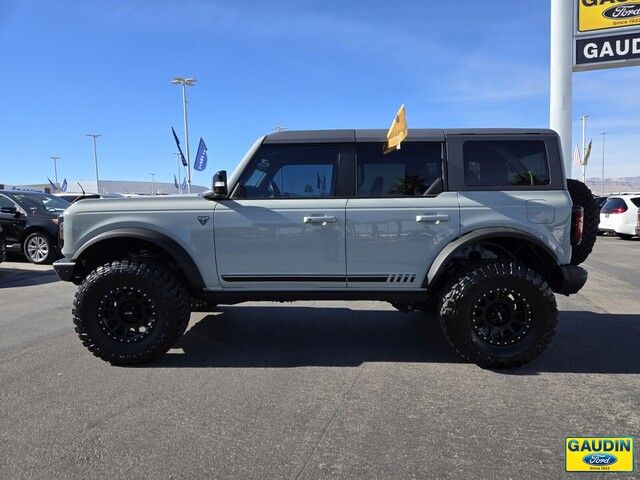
point(5, 202)
point(504, 163)
point(409, 171)
point(290, 171)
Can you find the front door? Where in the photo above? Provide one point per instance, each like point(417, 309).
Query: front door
point(396, 224)
point(9, 222)
point(283, 226)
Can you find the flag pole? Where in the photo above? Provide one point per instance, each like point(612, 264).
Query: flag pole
point(584, 147)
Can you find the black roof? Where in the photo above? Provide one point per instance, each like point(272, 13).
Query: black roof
point(380, 135)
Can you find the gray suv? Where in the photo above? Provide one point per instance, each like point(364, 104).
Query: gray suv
point(477, 225)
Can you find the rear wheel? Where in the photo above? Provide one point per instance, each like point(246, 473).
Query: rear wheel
point(499, 315)
point(582, 196)
point(624, 236)
point(127, 312)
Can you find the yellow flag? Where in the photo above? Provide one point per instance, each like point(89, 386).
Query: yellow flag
point(397, 132)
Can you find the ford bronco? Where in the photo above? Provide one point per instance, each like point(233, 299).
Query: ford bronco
point(480, 226)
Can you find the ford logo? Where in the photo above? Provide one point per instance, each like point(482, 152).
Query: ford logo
point(599, 459)
point(629, 10)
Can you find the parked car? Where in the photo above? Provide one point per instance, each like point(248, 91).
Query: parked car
point(30, 223)
point(619, 215)
point(479, 225)
point(3, 246)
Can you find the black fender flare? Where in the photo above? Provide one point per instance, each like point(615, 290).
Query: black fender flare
point(169, 245)
point(438, 265)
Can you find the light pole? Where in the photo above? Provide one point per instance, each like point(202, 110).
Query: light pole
point(185, 82)
point(177, 154)
point(95, 158)
point(55, 167)
point(602, 177)
point(584, 146)
point(153, 183)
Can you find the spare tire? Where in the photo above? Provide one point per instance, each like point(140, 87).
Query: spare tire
point(582, 196)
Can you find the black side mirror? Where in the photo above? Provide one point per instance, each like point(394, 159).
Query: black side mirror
point(219, 183)
point(9, 210)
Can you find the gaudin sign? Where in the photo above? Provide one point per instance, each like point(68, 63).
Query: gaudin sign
point(595, 15)
point(607, 34)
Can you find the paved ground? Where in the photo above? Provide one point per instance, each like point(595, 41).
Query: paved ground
point(313, 390)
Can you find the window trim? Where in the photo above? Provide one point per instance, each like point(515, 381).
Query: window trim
point(443, 170)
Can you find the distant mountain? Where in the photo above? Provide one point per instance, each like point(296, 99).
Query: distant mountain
point(619, 184)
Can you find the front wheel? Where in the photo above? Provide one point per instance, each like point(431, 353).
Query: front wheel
point(38, 248)
point(499, 315)
point(128, 312)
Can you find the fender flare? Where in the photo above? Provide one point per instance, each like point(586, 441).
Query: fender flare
point(437, 267)
point(169, 245)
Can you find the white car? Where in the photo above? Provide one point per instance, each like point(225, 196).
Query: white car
point(619, 215)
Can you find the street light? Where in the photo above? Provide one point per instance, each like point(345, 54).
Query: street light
point(584, 146)
point(185, 82)
point(95, 157)
point(602, 178)
point(153, 183)
point(55, 167)
point(179, 158)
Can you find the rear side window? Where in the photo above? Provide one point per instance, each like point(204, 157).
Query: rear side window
point(409, 171)
point(291, 171)
point(505, 163)
point(636, 201)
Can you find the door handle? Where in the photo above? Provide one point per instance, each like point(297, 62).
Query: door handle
point(322, 220)
point(437, 218)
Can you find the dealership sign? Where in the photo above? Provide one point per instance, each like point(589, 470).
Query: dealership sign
point(607, 34)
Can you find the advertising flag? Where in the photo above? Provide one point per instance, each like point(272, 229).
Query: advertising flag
point(576, 160)
point(53, 185)
point(184, 184)
point(318, 181)
point(324, 183)
point(587, 153)
point(201, 158)
point(397, 132)
point(63, 188)
point(175, 137)
point(175, 181)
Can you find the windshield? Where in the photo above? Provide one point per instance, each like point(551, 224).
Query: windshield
point(40, 202)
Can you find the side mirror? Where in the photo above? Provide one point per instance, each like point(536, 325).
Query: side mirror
point(9, 210)
point(219, 183)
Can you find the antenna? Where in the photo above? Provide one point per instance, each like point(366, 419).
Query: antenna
point(83, 193)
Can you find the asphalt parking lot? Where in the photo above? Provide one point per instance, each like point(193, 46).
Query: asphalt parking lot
point(314, 390)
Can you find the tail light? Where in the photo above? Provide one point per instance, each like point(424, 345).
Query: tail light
point(617, 210)
point(577, 224)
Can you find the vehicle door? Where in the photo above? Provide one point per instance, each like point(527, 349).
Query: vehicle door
point(10, 222)
point(283, 226)
point(401, 215)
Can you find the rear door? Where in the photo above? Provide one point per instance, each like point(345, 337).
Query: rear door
point(284, 225)
point(9, 222)
point(395, 226)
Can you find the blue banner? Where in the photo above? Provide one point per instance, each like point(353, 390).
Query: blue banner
point(63, 188)
point(175, 181)
point(53, 185)
point(184, 184)
point(201, 157)
point(175, 137)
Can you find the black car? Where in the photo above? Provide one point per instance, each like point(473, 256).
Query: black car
point(30, 223)
point(3, 247)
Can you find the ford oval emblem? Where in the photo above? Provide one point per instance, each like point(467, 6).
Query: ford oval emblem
point(629, 10)
point(599, 459)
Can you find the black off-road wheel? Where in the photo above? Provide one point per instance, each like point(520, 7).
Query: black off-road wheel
point(499, 315)
point(127, 312)
point(581, 195)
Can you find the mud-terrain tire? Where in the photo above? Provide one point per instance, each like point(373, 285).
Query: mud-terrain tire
point(498, 315)
point(127, 312)
point(582, 196)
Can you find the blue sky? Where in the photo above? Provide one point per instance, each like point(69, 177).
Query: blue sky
point(74, 67)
